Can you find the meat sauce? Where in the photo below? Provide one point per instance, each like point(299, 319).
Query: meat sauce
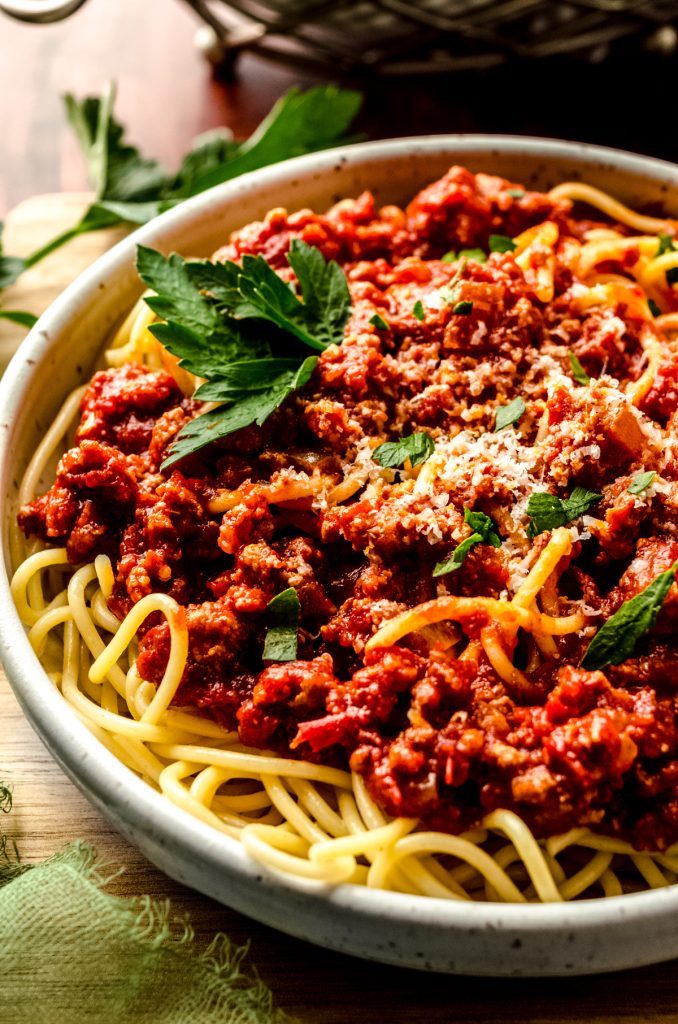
point(434, 736)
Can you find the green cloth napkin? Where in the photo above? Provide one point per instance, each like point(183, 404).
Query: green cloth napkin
point(71, 953)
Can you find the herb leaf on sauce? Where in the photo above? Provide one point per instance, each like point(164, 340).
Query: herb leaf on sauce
point(281, 638)
point(547, 512)
point(479, 255)
point(416, 447)
point(418, 311)
point(508, 414)
point(616, 639)
point(463, 308)
point(641, 482)
point(485, 532)
point(378, 322)
point(244, 330)
point(578, 371)
point(665, 245)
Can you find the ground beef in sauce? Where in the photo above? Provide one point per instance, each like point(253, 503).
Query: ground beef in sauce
point(435, 735)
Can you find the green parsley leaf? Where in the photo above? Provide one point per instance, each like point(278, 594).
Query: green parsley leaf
point(19, 317)
point(665, 245)
point(300, 122)
point(548, 512)
point(641, 482)
point(578, 371)
point(484, 533)
point(483, 525)
point(501, 243)
point(281, 638)
point(463, 308)
point(416, 447)
point(456, 559)
point(243, 409)
point(320, 319)
point(378, 322)
point(131, 189)
point(654, 308)
point(508, 414)
point(418, 311)
point(240, 328)
point(209, 151)
point(473, 254)
point(616, 639)
point(116, 170)
point(324, 289)
point(465, 254)
point(515, 193)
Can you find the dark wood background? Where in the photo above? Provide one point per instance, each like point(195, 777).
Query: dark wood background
point(166, 96)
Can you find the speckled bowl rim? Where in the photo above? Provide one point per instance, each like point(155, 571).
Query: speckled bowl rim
point(134, 805)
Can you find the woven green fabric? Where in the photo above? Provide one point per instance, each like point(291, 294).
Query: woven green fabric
point(71, 953)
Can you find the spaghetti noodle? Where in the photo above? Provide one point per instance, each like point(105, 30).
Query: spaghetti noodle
point(435, 735)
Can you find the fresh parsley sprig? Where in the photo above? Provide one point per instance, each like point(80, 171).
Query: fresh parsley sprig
point(578, 371)
point(547, 512)
point(501, 243)
point(416, 447)
point(508, 414)
point(282, 637)
point(244, 330)
point(641, 482)
point(616, 639)
point(485, 532)
point(131, 189)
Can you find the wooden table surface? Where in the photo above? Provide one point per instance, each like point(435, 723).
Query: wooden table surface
point(166, 97)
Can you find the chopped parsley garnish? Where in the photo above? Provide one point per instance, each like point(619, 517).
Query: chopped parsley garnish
point(508, 414)
point(501, 243)
point(281, 638)
point(418, 311)
point(378, 322)
point(641, 482)
point(465, 254)
point(515, 193)
point(616, 639)
point(244, 330)
point(463, 308)
point(416, 447)
point(485, 532)
point(654, 308)
point(547, 512)
point(578, 371)
point(665, 245)
point(473, 254)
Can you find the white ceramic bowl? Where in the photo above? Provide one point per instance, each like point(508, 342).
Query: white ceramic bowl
point(484, 939)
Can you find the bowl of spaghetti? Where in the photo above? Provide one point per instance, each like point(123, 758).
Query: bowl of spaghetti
point(341, 549)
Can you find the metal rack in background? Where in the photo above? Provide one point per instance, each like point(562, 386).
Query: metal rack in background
point(398, 37)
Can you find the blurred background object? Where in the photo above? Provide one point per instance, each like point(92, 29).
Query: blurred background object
point(396, 37)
